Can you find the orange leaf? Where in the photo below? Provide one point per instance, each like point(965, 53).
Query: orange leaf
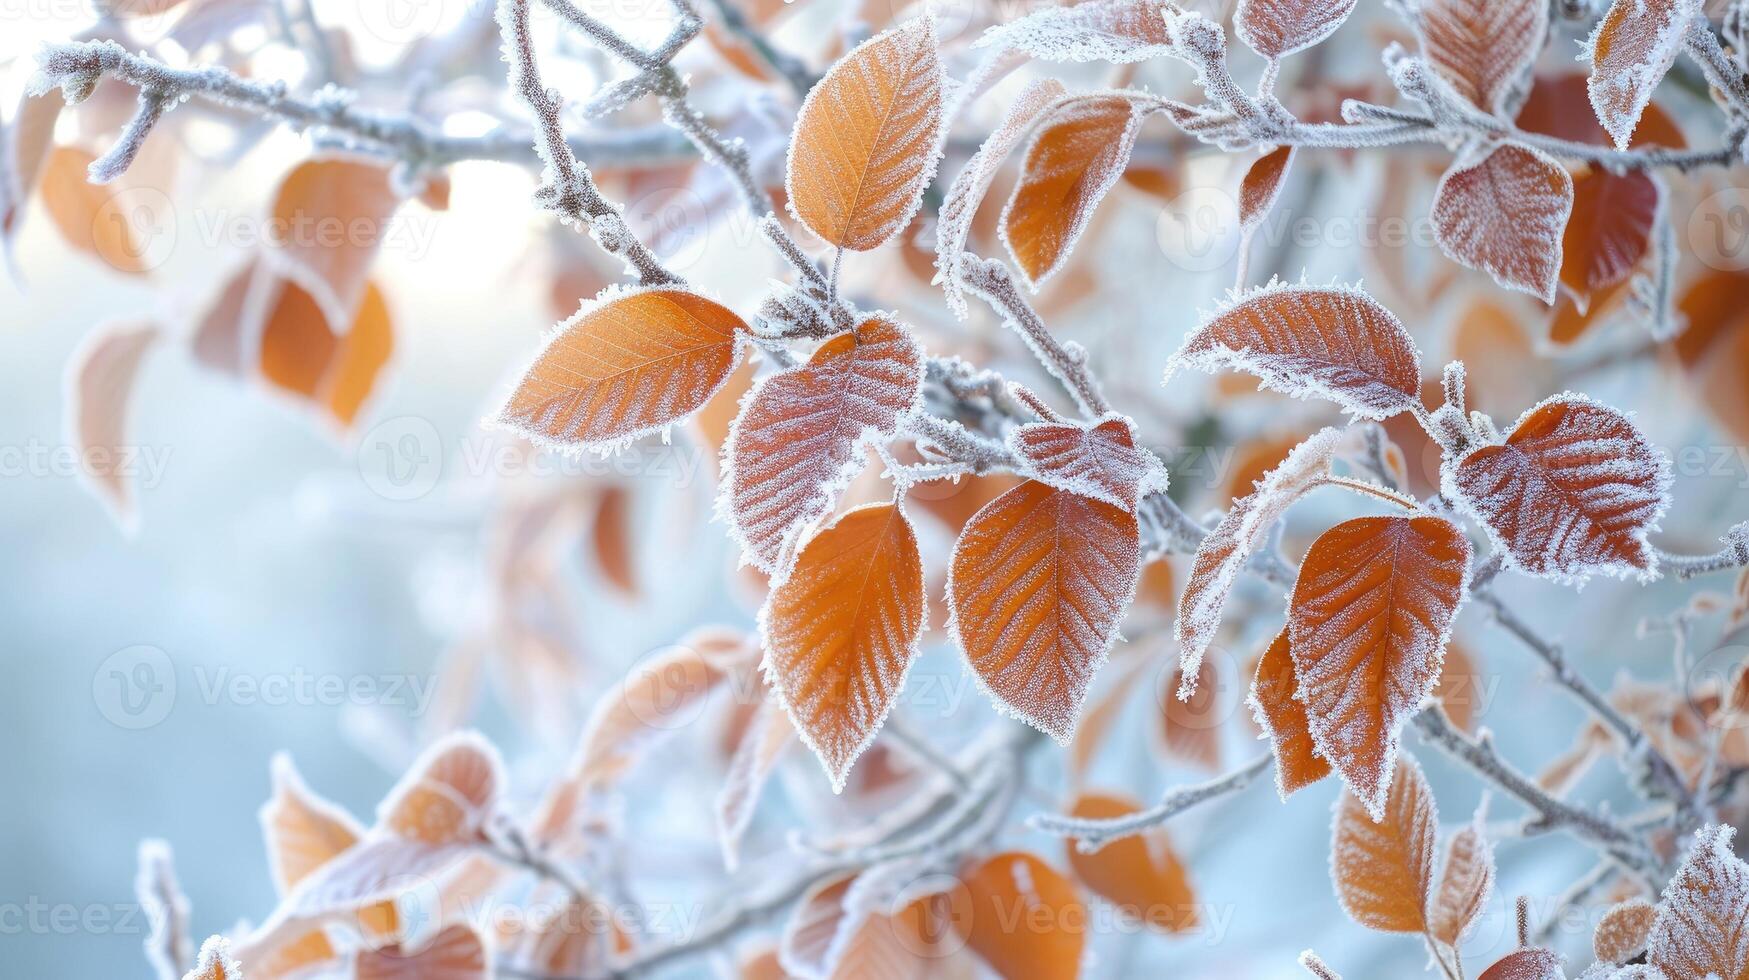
point(1623, 930)
point(612, 538)
point(629, 364)
point(1573, 491)
point(1630, 51)
point(1463, 886)
point(1190, 727)
point(1262, 185)
point(447, 794)
point(302, 830)
point(1703, 924)
point(1039, 581)
point(1080, 150)
point(1283, 719)
point(329, 218)
point(1714, 348)
point(1101, 462)
point(1367, 623)
point(841, 632)
point(89, 216)
point(1022, 917)
point(215, 962)
point(795, 444)
point(100, 380)
point(1275, 28)
point(1139, 874)
point(456, 953)
point(352, 373)
point(1382, 859)
point(1482, 47)
point(1504, 212)
point(1609, 232)
point(1526, 964)
point(1460, 690)
point(1334, 342)
point(867, 139)
point(805, 947)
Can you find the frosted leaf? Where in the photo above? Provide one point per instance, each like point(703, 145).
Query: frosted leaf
point(960, 205)
point(1039, 581)
point(841, 632)
point(1121, 32)
point(1609, 232)
point(1482, 47)
point(806, 948)
point(302, 831)
point(1623, 930)
point(215, 962)
point(1703, 921)
point(789, 312)
point(796, 442)
point(1503, 210)
point(756, 755)
point(447, 794)
point(1081, 149)
point(1535, 963)
point(631, 363)
point(1632, 48)
point(1223, 553)
point(1464, 885)
point(1262, 186)
point(100, 380)
point(1381, 858)
point(338, 191)
point(1101, 462)
point(1279, 712)
point(867, 139)
point(1276, 28)
point(1368, 622)
point(1573, 492)
point(1333, 342)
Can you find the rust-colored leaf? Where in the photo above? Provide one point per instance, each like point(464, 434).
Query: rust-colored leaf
point(1382, 858)
point(456, 953)
point(1101, 462)
point(1702, 929)
point(1367, 624)
point(1630, 51)
point(631, 363)
point(1714, 348)
point(867, 139)
point(796, 443)
point(1335, 342)
point(1140, 874)
point(1504, 212)
point(1482, 46)
point(1022, 917)
point(1262, 186)
point(1190, 726)
point(1609, 232)
point(1081, 149)
point(1039, 582)
point(1534, 963)
point(1624, 930)
point(1283, 718)
point(1275, 28)
point(611, 534)
point(1572, 492)
point(841, 632)
point(1460, 688)
point(1463, 886)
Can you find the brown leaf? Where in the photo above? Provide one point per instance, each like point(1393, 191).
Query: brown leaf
point(1276, 28)
point(1482, 46)
point(867, 139)
point(456, 953)
point(1190, 727)
point(1623, 930)
point(1101, 462)
point(612, 538)
point(1139, 874)
point(1039, 582)
point(1504, 212)
point(1262, 185)
point(1382, 858)
point(1630, 51)
point(1526, 964)
point(1463, 887)
point(1609, 232)
point(1283, 718)
point(1702, 927)
point(1367, 625)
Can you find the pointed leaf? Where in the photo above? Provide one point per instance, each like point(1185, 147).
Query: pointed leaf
point(447, 793)
point(1609, 232)
point(1703, 922)
point(1276, 28)
point(215, 962)
point(1120, 32)
point(1262, 185)
point(100, 381)
point(1482, 46)
point(1463, 886)
point(1504, 213)
point(1630, 51)
point(329, 217)
point(1382, 860)
point(1283, 718)
point(1101, 462)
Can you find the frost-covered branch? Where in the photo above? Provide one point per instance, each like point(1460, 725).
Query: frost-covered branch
point(786, 65)
point(993, 281)
point(506, 842)
point(1734, 555)
point(1092, 834)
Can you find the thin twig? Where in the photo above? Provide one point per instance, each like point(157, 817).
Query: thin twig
point(1092, 834)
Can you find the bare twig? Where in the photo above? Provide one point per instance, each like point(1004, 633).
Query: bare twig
point(1092, 834)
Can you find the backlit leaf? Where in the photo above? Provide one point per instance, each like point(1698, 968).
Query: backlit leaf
point(100, 381)
point(447, 793)
point(1631, 49)
point(1382, 858)
point(1140, 875)
point(1367, 623)
point(1022, 917)
point(1572, 492)
point(795, 445)
point(841, 632)
point(867, 139)
point(1039, 582)
point(89, 216)
point(1482, 46)
point(1190, 726)
point(1283, 718)
point(1334, 342)
point(1702, 927)
point(1274, 28)
point(629, 364)
point(1504, 212)
point(1101, 462)
point(330, 216)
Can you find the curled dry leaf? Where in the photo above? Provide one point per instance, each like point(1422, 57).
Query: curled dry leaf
point(1282, 717)
point(1463, 886)
point(1139, 874)
point(629, 364)
point(1483, 47)
point(1276, 28)
point(1630, 51)
point(1022, 917)
point(1335, 342)
point(1535, 963)
point(1504, 212)
point(1702, 929)
point(1081, 149)
point(317, 197)
point(1367, 623)
point(795, 444)
point(1624, 930)
point(88, 215)
point(100, 380)
point(1262, 185)
point(456, 953)
point(1224, 551)
point(1101, 462)
point(1039, 582)
point(841, 632)
point(1120, 32)
point(867, 139)
point(1572, 492)
point(1382, 858)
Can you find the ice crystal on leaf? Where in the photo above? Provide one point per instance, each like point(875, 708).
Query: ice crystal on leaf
point(1101, 462)
point(1503, 209)
point(1276, 28)
point(1534, 963)
point(1381, 857)
point(1116, 31)
point(1482, 47)
point(1624, 930)
point(1262, 185)
point(1631, 50)
point(1282, 716)
point(1702, 929)
point(1464, 885)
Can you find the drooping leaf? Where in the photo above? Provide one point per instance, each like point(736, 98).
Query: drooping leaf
point(1630, 51)
point(1464, 885)
point(1609, 232)
point(1190, 726)
point(1081, 149)
point(1120, 32)
point(447, 794)
point(330, 217)
point(1277, 28)
point(1101, 462)
point(1262, 185)
point(1702, 927)
point(842, 630)
point(1572, 492)
point(755, 756)
point(1483, 47)
point(1020, 916)
point(1367, 623)
point(100, 382)
point(795, 444)
point(867, 139)
point(630, 364)
point(1382, 858)
point(1039, 582)
point(90, 217)
point(1334, 342)
point(1283, 718)
point(1623, 930)
point(806, 948)
point(1504, 212)
point(1140, 875)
